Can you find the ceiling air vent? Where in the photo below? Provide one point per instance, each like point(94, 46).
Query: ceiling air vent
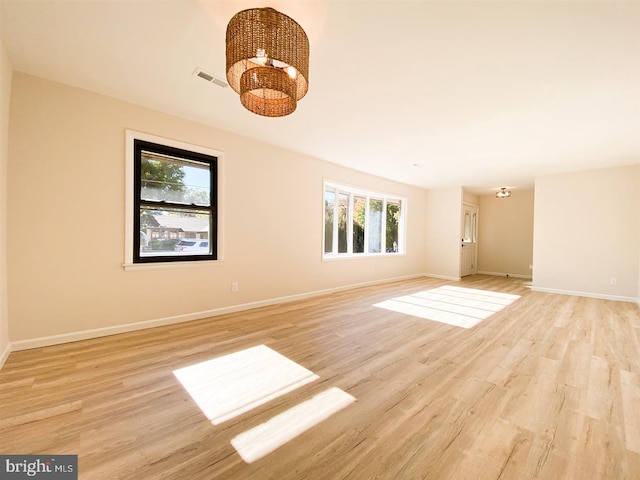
point(210, 78)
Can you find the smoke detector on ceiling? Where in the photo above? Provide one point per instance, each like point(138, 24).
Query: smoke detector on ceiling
point(210, 78)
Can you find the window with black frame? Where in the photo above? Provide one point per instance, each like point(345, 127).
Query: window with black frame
point(175, 216)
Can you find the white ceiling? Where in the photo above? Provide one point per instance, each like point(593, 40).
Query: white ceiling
point(482, 94)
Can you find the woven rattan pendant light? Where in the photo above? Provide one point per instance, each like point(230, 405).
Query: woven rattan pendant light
point(267, 61)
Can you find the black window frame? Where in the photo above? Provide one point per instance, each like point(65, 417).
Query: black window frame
point(138, 202)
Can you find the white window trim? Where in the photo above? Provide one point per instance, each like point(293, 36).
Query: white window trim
point(352, 191)
point(130, 137)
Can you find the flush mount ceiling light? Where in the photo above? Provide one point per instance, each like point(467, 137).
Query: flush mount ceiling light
point(267, 61)
point(503, 193)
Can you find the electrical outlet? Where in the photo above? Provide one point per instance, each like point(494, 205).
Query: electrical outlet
point(234, 287)
point(613, 281)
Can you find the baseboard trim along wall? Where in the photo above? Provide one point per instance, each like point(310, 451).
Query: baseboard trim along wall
point(601, 296)
point(159, 322)
point(5, 355)
point(505, 274)
point(442, 277)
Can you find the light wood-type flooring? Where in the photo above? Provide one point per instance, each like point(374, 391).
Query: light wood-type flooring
point(547, 388)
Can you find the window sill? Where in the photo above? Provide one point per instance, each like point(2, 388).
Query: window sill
point(352, 256)
point(171, 265)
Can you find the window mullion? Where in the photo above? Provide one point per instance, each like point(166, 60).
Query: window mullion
point(383, 226)
point(350, 225)
point(176, 206)
point(366, 224)
point(401, 232)
point(336, 226)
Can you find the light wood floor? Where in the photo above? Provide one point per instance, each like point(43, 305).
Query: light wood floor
point(548, 388)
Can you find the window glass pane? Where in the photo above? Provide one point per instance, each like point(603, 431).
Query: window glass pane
point(359, 210)
point(393, 218)
point(329, 202)
point(343, 209)
point(374, 225)
point(167, 232)
point(175, 180)
point(467, 227)
point(474, 223)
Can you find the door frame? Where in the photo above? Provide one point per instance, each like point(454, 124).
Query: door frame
point(474, 245)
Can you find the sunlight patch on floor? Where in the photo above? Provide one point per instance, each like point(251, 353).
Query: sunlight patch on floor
point(266, 437)
point(228, 386)
point(458, 306)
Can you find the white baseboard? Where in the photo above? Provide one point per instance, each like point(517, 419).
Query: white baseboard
point(4, 355)
point(601, 296)
point(129, 327)
point(504, 274)
point(442, 277)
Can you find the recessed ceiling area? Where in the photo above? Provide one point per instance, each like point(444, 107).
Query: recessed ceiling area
point(435, 94)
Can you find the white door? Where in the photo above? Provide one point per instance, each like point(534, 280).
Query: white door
point(469, 244)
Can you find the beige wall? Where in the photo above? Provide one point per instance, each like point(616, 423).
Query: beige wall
point(65, 222)
point(587, 230)
point(66, 219)
point(442, 232)
point(505, 234)
point(5, 95)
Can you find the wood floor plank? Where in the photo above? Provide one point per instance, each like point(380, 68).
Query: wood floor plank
point(630, 401)
point(546, 388)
